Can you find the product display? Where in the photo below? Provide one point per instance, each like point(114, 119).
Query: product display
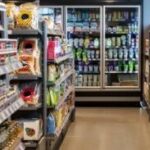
point(56, 120)
point(83, 33)
point(122, 47)
point(29, 55)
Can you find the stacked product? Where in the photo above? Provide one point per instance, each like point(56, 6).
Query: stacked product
point(83, 31)
point(59, 86)
point(24, 22)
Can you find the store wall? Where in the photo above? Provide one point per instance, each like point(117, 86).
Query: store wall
point(146, 11)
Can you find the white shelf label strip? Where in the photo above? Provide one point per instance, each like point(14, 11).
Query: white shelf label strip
point(8, 111)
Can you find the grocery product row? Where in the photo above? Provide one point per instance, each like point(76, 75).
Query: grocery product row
point(37, 76)
point(105, 43)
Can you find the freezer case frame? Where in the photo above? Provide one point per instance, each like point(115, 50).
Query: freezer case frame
point(122, 88)
point(90, 88)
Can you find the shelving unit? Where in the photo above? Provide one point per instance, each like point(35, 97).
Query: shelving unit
point(146, 74)
point(54, 140)
point(25, 109)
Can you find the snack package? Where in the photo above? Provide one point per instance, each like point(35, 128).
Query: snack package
point(53, 97)
point(29, 55)
point(27, 16)
point(30, 93)
point(54, 48)
point(52, 73)
point(11, 11)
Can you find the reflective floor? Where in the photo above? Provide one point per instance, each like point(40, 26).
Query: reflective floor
point(108, 129)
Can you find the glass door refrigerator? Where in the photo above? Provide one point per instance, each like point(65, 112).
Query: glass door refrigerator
point(121, 45)
point(55, 13)
point(83, 30)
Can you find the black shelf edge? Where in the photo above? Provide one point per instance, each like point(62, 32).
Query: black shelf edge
point(31, 108)
point(26, 77)
point(25, 32)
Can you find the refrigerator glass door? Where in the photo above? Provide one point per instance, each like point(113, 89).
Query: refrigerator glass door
point(83, 27)
point(122, 47)
point(54, 13)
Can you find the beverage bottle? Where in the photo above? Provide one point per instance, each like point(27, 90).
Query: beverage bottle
point(115, 54)
point(120, 53)
point(129, 40)
point(129, 28)
point(131, 66)
point(131, 53)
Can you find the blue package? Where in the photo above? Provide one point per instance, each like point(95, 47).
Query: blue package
point(51, 124)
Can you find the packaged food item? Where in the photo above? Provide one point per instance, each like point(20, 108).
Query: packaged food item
point(27, 16)
point(96, 43)
point(30, 93)
point(11, 11)
point(29, 55)
point(52, 73)
point(54, 49)
point(32, 129)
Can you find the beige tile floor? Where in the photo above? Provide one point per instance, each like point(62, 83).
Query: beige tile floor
point(108, 129)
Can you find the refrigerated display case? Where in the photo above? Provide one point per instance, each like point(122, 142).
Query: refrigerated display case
point(83, 30)
point(121, 45)
point(54, 13)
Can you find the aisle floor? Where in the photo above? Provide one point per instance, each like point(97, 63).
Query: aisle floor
point(108, 129)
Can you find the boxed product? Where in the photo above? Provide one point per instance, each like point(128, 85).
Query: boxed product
point(32, 129)
point(54, 48)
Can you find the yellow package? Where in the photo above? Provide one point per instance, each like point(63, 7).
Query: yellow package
point(27, 16)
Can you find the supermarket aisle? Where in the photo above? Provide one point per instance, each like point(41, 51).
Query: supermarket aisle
point(108, 129)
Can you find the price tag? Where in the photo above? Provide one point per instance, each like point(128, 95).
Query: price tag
point(13, 108)
point(3, 115)
point(7, 114)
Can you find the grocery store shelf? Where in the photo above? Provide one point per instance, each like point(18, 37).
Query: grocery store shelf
point(61, 58)
point(89, 59)
point(62, 78)
point(81, 33)
point(90, 73)
point(121, 72)
point(116, 59)
point(62, 99)
point(7, 51)
point(31, 108)
point(8, 68)
point(26, 77)
point(8, 110)
point(22, 31)
point(116, 34)
point(7, 101)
